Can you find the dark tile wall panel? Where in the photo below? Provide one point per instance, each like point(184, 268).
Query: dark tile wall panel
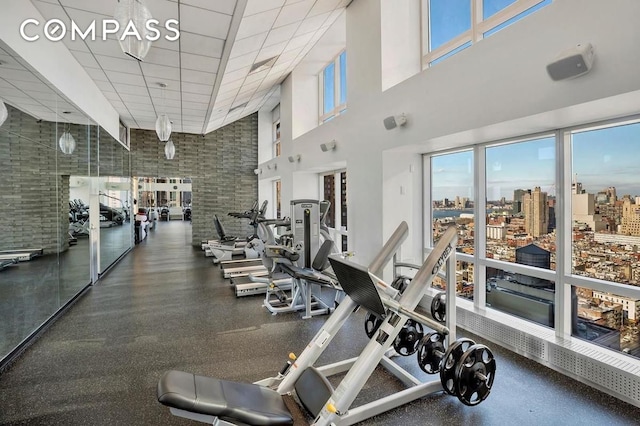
point(221, 165)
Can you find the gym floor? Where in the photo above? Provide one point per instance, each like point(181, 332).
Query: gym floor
point(166, 306)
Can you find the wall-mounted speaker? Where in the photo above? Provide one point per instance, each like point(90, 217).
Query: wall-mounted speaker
point(572, 63)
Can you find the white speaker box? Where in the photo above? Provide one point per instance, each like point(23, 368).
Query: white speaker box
point(572, 63)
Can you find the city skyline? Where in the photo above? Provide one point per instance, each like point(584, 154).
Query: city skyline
point(600, 158)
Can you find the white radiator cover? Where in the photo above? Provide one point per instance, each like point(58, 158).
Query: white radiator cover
point(613, 373)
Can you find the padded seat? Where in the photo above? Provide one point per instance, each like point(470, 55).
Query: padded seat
point(247, 403)
point(309, 275)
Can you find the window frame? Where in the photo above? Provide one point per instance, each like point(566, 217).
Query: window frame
point(336, 232)
point(563, 275)
point(479, 27)
point(339, 108)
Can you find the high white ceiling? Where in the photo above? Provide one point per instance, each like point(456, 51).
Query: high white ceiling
point(207, 71)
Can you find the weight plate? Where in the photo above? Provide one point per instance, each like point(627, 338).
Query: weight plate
point(407, 341)
point(439, 307)
point(401, 283)
point(449, 362)
point(474, 375)
point(371, 324)
point(431, 350)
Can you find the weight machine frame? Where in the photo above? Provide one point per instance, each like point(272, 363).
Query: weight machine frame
point(337, 410)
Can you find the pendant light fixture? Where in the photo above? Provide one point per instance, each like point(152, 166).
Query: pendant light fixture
point(67, 143)
point(3, 113)
point(169, 150)
point(163, 124)
point(133, 15)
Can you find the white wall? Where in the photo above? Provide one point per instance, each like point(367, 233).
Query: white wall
point(495, 89)
point(400, 40)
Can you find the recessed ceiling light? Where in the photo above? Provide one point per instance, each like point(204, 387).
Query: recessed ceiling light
point(66, 112)
point(263, 65)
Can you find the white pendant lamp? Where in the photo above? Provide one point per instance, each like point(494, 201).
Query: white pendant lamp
point(163, 127)
point(163, 124)
point(169, 150)
point(3, 113)
point(133, 15)
point(67, 143)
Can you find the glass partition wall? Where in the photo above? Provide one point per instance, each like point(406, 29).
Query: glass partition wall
point(46, 233)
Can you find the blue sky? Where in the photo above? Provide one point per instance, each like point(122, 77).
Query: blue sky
point(601, 158)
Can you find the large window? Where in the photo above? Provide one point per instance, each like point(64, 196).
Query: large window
point(520, 202)
point(334, 190)
point(275, 137)
point(605, 235)
point(452, 197)
point(553, 233)
point(450, 26)
point(333, 88)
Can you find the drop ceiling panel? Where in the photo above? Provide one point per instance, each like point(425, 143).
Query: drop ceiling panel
point(199, 63)
point(235, 75)
point(111, 63)
point(312, 24)
point(161, 56)
point(196, 88)
point(193, 76)
point(107, 8)
point(323, 6)
point(201, 45)
point(222, 6)
point(271, 51)
point(256, 24)
point(257, 6)
point(281, 34)
point(86, 59)
point(294, 13)
point(162, 10)
point(248, 44)
point(121, 77)
point(205, 22)
point(189, 66)
point(129, 89)
point(156, 73)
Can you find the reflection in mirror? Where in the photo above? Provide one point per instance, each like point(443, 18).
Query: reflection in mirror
point(43, 266)
point(115, 219)
point(163, 198)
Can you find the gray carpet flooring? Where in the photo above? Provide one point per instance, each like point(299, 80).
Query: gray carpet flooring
point(165, 306)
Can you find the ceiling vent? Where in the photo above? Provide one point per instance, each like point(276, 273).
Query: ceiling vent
point(237, 108)
point(263, 65)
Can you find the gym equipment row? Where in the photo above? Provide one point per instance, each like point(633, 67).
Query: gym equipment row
point(466, 370)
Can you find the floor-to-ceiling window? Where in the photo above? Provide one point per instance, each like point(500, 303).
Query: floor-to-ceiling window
point(555, 235)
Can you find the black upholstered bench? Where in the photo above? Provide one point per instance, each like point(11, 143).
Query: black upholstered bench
point(243, 402)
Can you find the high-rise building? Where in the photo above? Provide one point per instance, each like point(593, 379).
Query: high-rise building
point(518, 194)
point(536, 212)
point(611, 193)
point(630, 218)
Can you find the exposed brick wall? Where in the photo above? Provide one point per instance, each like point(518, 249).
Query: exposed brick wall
point(220, 164)
point(34, 195)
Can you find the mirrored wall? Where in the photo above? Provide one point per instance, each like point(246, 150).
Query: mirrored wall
point(55, 199)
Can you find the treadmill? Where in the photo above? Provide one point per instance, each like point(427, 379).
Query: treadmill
point(22, 255)
point(249, 284)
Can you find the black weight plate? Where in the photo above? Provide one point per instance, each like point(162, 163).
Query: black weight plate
point(474, 375)
point(408, 339)
point(371, 324)
point(450, 361)
point(401, 283)
point(430, 352)
point(439, 307)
